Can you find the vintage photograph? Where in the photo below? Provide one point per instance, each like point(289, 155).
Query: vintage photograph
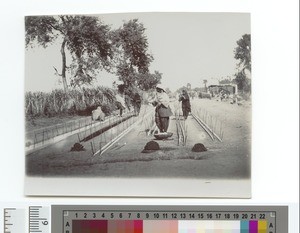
point(162, 100)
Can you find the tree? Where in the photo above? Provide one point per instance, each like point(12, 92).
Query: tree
point(243, 83)
point(243, 52)
point(132, 58)
point(148, 81)
point(132, 44)
point(85, 37)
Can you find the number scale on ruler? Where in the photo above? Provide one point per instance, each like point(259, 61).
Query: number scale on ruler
point(38, 219)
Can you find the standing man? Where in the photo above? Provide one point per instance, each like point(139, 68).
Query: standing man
point(137, 102)
point(162, 110)
point(185, 103)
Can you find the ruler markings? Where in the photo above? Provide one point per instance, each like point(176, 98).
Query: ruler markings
point(14, 220)
point(38, 219)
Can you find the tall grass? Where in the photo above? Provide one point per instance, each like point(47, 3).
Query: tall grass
point(79, 102)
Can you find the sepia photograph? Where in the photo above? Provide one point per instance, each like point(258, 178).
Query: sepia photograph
point(138, 104)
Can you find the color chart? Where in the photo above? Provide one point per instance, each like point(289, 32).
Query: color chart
point(168, 226)
point(202, 219)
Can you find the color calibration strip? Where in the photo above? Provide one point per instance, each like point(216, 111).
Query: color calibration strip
point(168, 226)
point(168, 219)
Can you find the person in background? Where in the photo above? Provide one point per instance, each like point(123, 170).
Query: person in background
point(137, 102)
point(120, 103)
point(162, 110)
point(185, 103)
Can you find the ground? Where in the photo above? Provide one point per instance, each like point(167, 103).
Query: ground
point(229, 159)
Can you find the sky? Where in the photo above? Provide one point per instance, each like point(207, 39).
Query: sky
point(187, 48)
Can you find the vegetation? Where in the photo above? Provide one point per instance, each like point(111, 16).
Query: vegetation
point(243, 54)
point(133, 59)
point(59, 103)
point(93, 47)
point(85, 37)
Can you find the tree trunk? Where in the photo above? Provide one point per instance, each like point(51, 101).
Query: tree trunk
point(64, 66)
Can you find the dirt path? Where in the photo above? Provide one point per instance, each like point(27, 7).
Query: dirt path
point(227, 159)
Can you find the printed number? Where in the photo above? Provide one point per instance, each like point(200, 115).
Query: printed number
point(94, 215)
point(262, 216)
point(129, 215)
point(156, 215)
point(120, 215)
point(165, 215)
point(253, 216)
point(112, 215)
point(192, 215)
point(45, 223)
point(147, 215)
point(182, 215)
point(218, 215)
point(85, 215)
point(138, 215)
point(201, 216)
point(244, 216)
point(227, 216)
point(103, 215)
point(236, 216)
point(209, 216)
point(174, 215)
point(76, 215)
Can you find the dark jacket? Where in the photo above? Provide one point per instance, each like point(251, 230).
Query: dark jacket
point(185, 99)
point(163, 111)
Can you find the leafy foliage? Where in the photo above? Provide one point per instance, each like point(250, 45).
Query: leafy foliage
point(243, 52)
point(86, 38)
point(40, 28)
point(132, 44)
point(243, 83)
point(93, 47)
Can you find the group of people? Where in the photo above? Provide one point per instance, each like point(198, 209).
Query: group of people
point(163, 110)
point(162, 106)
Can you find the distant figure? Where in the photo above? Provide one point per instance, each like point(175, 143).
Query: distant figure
point(137, 102)
point(120, 103)
point(185, 103)
point(162, 110)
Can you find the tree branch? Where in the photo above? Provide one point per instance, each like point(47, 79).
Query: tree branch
point(56, 72)
point(56, 28)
